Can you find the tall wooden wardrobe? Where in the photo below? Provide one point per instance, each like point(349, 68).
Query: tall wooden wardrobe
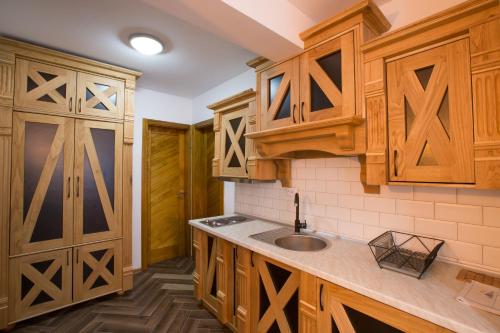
point(66, 134)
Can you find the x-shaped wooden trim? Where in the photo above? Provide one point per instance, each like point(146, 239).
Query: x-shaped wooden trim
point(274, 107)
point(325, 83)
point(41, 282)
point(98, 268)
point(211, 268)
point(277, 299)
point(46, 87)
point(100, 96)
point(235, 147)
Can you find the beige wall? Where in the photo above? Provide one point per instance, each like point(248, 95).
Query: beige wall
point(332, 200)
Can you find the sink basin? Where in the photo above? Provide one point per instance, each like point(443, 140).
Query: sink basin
point(301, 242)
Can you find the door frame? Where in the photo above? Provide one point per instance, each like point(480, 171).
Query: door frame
point(145, 197)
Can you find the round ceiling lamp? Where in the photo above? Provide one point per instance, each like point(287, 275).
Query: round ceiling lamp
point(146, 44)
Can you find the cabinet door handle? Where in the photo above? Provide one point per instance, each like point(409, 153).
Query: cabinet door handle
point(293, 113)
point(251, 259)
point(302, 111)
point(69, 187)
point(246, 165)
point(79, 105)
point(77, 256)
point(395, 163)
point(321, 297)
point(67, 258)
point(71, 104)
point(77, 186)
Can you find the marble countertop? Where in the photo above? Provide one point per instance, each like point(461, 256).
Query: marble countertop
point(351, 265)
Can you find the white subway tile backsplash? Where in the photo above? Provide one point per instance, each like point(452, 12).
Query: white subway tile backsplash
point(459, 213)
point(333, 200)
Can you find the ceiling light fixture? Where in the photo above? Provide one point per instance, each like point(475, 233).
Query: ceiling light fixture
point(146, 44)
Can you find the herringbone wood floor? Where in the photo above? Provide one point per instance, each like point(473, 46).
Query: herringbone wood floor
point(162, 301)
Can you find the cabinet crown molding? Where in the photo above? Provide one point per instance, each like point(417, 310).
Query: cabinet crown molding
point(239, 98)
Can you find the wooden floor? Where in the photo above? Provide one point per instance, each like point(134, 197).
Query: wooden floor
point(162, 301)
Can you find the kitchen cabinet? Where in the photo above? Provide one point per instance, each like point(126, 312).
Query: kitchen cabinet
point(100, 96)
point(235, 156)
point(344, 311)
point(431, 116)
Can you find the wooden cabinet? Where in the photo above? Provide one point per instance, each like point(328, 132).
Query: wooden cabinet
point(343, 311)
point(209, 272)
point(96, 269)
point(100, 96)
point(235, 155)
point(98, 177)
point(275, 297)
point(40, 283)
point(430, 116)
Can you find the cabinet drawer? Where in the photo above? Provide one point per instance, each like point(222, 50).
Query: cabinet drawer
point(100, 96)
point(97, 269)
point(44, 88)
point(39, 283)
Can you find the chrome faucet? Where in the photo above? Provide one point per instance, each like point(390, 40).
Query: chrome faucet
point(298, 224)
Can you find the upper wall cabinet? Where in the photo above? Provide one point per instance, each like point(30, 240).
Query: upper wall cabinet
point(51, 89)
point(310, 105)
point(429, 92)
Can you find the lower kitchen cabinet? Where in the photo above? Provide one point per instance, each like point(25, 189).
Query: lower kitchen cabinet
point(344, 311)
point(209, 273)
point(97, 270)
point(39, 283)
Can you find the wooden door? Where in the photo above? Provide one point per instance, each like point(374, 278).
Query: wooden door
point(275, 296)
point(44, 88)
point(327, 87)
point(97, 269)
point(39, 283)
point(42, 183)
point(343, 311)
point(430, 116)
point(164, 193)
point(279, 95)
point(98, 180)
point(209, 272)
point(234, 155)
point(100, 96)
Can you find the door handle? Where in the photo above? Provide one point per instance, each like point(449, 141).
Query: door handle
point(246, 165)
point(69, 187)
point(70, 104)
point(302, 111)
point(180, 194)
point(321, 297)
point(77, 186)
point(395, 163)
point(293, 113)
point(79, 105)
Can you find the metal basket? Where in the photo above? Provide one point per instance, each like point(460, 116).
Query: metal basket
point(405, 253)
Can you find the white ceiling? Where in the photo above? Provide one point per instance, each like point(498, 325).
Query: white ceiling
point(195, 60)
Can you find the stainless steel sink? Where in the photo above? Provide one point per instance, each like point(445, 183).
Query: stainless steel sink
point(301, 242)
point(286, 238)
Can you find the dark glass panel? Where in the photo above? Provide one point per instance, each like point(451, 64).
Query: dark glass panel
point(274, 85)
point(332, 65)
point(110, 266)
point(228, 144)
point(38, 139)
point(263, 299)
point(112, 99)
point(46, 98)
point(234, 162)
point(98, 254)
point(86, 271)
point(49, 224)
point(292, 312)
point(43, 297)
point(363, 323)
point(235, 123)
point(424, 75)
point(101, 87)
point(444, 113)
point(335, 329)
point(26, 285)
point(426, 156)
point(30, 84)
point(409, 118)
point(278, 275)
point(99, 282)
point(319, 101)
point(213, 290)
point(104, 142)
point(88, 94)
point(57, 278)
point(274, 328)
point(284, 109)
point(94, 219)
point(62, 90)
point(42, 266)
point(101, 106)
point(46, 76)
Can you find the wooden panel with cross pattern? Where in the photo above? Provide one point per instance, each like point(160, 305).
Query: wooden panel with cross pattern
point(233, 144)
point(99, 96)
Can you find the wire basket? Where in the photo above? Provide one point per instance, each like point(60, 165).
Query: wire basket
point(405, 253)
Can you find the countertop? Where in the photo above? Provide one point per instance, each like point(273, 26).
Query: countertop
point(351, 265)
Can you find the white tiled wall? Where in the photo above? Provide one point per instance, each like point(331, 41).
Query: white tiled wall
point(333, 200)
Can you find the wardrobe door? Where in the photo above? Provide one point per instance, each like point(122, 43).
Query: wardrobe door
point(100, 96)
point(98, 174)
point(97, 269)
point(45, 88)
point(39, 283)
point(42, 175)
